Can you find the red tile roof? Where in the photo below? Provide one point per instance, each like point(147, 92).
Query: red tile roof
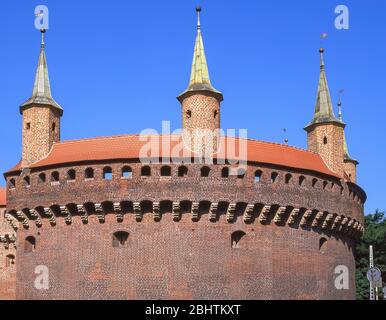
point(3, 198)
point(129, 146)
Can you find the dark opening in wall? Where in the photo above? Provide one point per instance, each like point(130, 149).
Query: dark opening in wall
point(236, 237)
point(107, 173)
point(225, 172)
point(54, 127)
point(9, 260)
point(182, 171)
point(325, 140)
point(71, 174)
point(188, 114)
point(325, 184)
point(274, 176)
point(301, 180)
point(288, 178)
point(127, 173)
point(42, 177)
point(12, 184)
point(258, 175)
point(27, 181)
point(120, 239)
point(29, 244)
point(314, 182)
point(205, 171)
point(215, 114)
point(145, 171)
point(89, 173)
point(322, 245)
point(55, 176)
point(166, 171)
point(28, 125)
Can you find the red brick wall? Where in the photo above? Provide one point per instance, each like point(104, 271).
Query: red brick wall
point(182, 260)
point(7, 269)
point(186, 259)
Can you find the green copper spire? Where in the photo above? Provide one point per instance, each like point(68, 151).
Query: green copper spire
point(346, 156)
point(41, 93)
point(199, 76)
point(323, 108)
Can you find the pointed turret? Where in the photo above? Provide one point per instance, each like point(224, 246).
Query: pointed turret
point(41, 116)
point(41, 93)
point(325, 132)
point(323, 108)
point(199, 76)
point(200, 103)
point(349, 163)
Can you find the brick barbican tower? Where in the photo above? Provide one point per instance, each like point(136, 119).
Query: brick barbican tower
point(200, 103)
point(325, 133)
point(41, 116)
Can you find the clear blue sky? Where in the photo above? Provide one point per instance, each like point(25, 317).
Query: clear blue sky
point(116, 67)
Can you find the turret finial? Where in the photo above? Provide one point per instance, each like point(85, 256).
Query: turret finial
point(340, 105)
point(321, 51)
point(198, 10)
point(43, 31)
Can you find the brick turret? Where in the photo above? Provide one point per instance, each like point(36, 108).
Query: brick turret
point(41, 116)
point(325, 133)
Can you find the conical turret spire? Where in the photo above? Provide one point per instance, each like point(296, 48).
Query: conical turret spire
point(346, 155)
point(323, 107)
point(41, 94)
point(199, 76)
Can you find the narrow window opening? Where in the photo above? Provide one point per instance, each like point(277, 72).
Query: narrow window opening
point(166, 171)
point(325, 140)
point(205, 171)
point(127, 173)
point(71, 175)
point(107, 173)
point(28, 125)
point(225, 172)
point(145, 171)
point(55, 176)
point(215, 114)
point(322, 245)
point(27, 181)
point(54, 127)
point(9, 260)
point(182, 171)
point(188, 114)
point(288, 178)
point(258, 174)
point(314, 182)
point(235, 238)
point(301, 180)
point(12, 184)
point(274, 176)
point(42, 177)
point(29, 244)
point(89, 173)
point(120, 239)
